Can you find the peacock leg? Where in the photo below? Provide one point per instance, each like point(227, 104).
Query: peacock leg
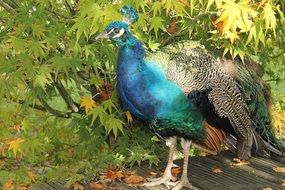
point(184, 182)
point(167, 176)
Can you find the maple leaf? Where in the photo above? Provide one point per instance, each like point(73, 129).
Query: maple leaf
point(176, 171)
point(217, 170)
point(279, 169)
point(134, 179)
point(15, 146)
point(97, 185)
point(88, 103)
point(269, 16)
point(31, 176)
point(78, 186)
point(129, 117)
point(22, 187)
point(8, 185)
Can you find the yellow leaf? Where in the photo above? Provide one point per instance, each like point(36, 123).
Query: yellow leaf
point(8, 185)
point(232, 36)
point(129, 117)
point(283, 100)
point(88, 103)
point(31, 176)
point(269, 17)
point(15, 146)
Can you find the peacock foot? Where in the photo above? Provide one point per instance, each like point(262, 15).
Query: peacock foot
point(240, 162)
point(166, 179)
point(183, 182)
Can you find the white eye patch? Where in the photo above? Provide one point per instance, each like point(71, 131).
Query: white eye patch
point(120, 33)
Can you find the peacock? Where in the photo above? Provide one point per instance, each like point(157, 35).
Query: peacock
point(183, 91)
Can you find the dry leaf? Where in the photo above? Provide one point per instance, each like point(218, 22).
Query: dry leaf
point(279, 169)
point(172, 27)
point(266, 188)
point(203, 154)
point(23, 187)
point(176, 171)
point(134, 179)
point(217, 170)
point(78, 186)
point(97, 185)
point(283, 183)
point(112, 175)
point(152, 173)
point(8, 185)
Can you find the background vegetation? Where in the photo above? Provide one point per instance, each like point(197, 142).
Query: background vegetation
point(59, 113)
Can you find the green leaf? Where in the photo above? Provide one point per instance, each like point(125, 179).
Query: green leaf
point(114, 125)
point(156, 23)
point(97, 112)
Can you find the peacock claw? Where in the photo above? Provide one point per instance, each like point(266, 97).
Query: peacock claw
point(166, 179)
point(172, 178)
point(183, 183)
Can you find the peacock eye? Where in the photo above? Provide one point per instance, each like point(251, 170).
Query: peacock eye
point(116, 30)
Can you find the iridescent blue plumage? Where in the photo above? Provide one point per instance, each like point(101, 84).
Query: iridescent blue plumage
point(129, 13)
point(145, 91)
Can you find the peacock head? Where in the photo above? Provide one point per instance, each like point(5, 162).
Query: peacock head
point(118, 32)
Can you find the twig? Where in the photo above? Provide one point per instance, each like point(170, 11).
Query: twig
point(65, 96)
point(180, 33)
point(53, 111)
point(70, 9)
point(7, 7)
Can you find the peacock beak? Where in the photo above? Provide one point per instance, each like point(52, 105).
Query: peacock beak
point(102, 35)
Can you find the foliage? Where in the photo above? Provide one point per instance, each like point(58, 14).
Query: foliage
point(60, 117)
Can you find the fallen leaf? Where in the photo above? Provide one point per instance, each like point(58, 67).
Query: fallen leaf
point(78, 186)
point(217, 170)
point(203, 154)
point(267, 188)
point(88, 103)
point(23, 187)
point(8, 185)
point(283, 183)
point(112, 175)
point(97, 185)
point(134, 179)
point(175, 171)
point(152, 173)
point(279, 169)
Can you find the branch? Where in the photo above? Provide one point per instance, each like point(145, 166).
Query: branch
point(53, 111)
point(11, 4)
point(7, 7)
point(65, 95)
point(70, 9)
point(180, 33)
